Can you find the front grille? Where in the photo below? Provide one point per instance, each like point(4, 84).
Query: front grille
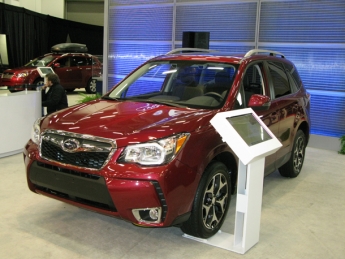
point(76, 149)
point(69, 171)
point(93, 160)
point(87, 202)
point(7, 75)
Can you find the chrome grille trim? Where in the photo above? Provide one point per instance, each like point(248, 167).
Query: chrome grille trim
point(88, 144)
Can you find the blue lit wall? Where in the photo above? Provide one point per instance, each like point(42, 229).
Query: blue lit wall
point(310, 33)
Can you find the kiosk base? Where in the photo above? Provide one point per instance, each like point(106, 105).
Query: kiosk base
point(222, 240)
point(248, 211)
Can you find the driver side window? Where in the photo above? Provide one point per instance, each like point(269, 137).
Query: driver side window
point(253, 82)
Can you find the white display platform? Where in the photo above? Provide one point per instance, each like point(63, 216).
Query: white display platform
point(252, 141)
point(19, 111)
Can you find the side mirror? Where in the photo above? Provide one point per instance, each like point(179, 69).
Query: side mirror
point(259, 102)
point(57, 65)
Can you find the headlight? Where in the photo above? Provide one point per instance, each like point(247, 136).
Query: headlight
point(24, 74)
point(36, 131)
point(154, 153)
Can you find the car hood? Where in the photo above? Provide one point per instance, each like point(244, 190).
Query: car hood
point(127, 121)
point(20, 70)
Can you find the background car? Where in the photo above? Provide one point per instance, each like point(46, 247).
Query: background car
point(146, 151)
point(74, 68)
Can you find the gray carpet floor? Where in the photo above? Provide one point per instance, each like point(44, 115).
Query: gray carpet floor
point(301, 218)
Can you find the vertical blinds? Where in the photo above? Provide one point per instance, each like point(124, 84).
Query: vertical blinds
point(309, 33)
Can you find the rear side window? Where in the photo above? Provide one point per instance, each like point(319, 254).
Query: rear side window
point(279, 79)
point(296, 81)
point(78, 61)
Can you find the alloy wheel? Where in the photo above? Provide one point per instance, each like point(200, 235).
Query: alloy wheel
point(215, 201)
point(298, 154)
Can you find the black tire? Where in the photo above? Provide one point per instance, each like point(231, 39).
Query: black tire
point(91, 86)
point(293, 167)
point(39, 82)
point(211, 202)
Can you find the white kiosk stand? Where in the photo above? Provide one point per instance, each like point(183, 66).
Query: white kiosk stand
point(43, 71)
point(251, 141)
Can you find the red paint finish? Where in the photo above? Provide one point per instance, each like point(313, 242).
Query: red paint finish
point(128, 118)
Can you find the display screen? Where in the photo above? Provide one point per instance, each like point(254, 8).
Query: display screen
point(46, 70)
point(249, 129)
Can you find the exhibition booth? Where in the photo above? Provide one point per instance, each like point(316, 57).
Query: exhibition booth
point(293, 215)
point(18, 113)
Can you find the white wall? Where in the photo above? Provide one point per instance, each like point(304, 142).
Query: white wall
point(51, 7)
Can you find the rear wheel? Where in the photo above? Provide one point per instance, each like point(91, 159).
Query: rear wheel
point(91, 86)
point(293, 167)
point(211, 202)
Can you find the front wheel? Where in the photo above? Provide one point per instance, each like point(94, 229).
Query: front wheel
point(91, 86)
point(211, 202)
point(293, 167)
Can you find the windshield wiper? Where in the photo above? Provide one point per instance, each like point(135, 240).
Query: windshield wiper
point(161, 102)
point(106, 97)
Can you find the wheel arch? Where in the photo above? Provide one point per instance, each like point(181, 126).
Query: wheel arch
point(35, 80)
point(231, 163)
point(306, 130)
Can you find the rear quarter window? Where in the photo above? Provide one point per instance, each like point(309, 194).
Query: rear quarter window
point(279, 79)
point(294, 77)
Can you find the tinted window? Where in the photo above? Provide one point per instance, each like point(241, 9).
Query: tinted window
point(279, 79)
point(78, 61)
point(180, 83)
point(292, 71)
point(40, 62)
point(64, 62)
point(253, 81)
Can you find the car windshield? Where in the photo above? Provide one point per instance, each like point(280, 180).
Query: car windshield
point(40, 62)
point(178, 83)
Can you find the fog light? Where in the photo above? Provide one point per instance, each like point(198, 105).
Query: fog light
point(154, 214)
point(148, 215)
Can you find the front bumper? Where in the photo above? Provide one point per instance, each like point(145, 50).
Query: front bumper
point(120, 190)
point(17, 83)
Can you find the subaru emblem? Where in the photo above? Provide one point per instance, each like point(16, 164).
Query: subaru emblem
point(70, 145)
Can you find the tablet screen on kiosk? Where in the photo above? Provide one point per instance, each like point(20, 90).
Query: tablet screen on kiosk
point(43, 71)
point(249, 129)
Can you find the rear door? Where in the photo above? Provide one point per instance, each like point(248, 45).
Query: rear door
point(62, 67)
point(79, 71)
point(286, 104)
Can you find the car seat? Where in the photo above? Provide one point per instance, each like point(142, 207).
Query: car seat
point(222, 82)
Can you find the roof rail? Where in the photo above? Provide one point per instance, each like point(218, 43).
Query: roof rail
point(257, 51)
point(179, 50)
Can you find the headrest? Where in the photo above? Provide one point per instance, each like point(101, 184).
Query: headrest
point(222, 79)
point(187, 76)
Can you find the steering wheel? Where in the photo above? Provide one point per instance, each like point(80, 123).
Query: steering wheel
point(215, 95)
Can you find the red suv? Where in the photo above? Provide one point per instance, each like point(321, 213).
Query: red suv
point(146, 151)
point(75, 70)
